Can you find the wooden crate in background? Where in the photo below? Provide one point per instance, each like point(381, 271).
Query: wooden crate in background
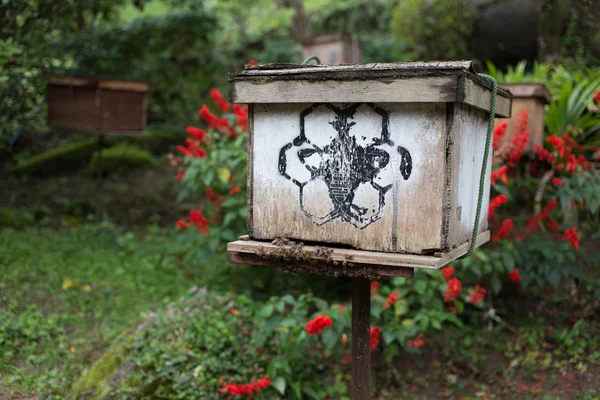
point(333, 49)
point(531, 97)
point(97, 105)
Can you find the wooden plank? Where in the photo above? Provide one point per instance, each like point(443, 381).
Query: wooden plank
point(434, 89)
point(537, 90)
point(410, 90)
point(89, 81)
point(274, 254)
point(125, 85)
point(336, 71)
point(323, 267)
point(361, 339)
point(479, 96)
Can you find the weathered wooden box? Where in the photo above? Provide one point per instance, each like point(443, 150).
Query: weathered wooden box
point(531, 97)
point(379, 157)
point(333, 49)
point(97, 105)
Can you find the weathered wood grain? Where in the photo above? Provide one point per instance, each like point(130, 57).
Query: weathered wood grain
point(411, 217)
point(341, 255)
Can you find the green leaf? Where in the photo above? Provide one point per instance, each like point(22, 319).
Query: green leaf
point(280, 385)
point(267, 311)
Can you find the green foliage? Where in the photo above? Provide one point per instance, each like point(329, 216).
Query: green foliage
point(14, 218)
point(66, 156)
point(434, 29)
point(570, 110)
point(539, 73)
point(330, 16)
point(120, 157)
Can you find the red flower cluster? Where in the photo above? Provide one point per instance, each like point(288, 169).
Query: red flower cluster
point(212, 120)
point(416, 343)
point(515, 276)
point(572, 237)
point(391, 299)
point(241, 115)
point(563, 147)
point(181, 224)
point(342, 308)
point(344, 339)
point(534, 221)
point(374, 335)
point(494, 203)
point(213, 196)
point(197, 219)
point(499, 133)
point(318, 325)
point(196, 133)
point(520, 138)
point(597, 97)
point(233, 190)
point(248, 390)
point(477, 295)
point(543, 154)
point(557, 182)
point(448, 272)
point(500, 173)
point(504, 231)
point(374, 286)
point(192, 149)
point(222, 103)
point(452, 290)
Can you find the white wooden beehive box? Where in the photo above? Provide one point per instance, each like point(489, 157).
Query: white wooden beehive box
point(377, 157)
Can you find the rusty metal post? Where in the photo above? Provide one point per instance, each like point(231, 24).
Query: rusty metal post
point(361, 338)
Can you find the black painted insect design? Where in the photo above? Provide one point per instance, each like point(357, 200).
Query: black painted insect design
point(344, 165)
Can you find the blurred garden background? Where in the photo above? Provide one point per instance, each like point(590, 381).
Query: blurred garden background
point(114, 279)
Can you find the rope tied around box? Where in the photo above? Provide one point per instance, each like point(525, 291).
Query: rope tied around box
point(486, 153)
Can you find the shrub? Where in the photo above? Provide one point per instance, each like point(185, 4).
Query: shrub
point(64, 157)
point(120, 157)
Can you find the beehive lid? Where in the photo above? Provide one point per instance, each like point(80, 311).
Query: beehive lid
point(403, 82)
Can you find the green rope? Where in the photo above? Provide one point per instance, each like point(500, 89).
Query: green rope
point(309, 59)
point(486, 153)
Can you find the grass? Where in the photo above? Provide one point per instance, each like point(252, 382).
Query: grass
point(67, 294)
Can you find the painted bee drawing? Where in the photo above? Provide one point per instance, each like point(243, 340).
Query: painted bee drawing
point(348, 165)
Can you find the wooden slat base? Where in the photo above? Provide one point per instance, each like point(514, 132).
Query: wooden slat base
point(295, 258)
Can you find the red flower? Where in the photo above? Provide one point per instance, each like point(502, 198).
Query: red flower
point(496, 202)
point(234, 190)
point(241, 114)
point(452, 309)
point(192, 149)
point(520, 138)
point(220, 124)
point(234, 311)
point(553, 225)
point(181, 224)
point(220, 100)
point(346, 358)
point(180, 176)
point(344, 339)
point(196, 133)
point(448, 271)
point(499, 133)
point(515, 276)
point(417, 342)
point(504, 230)
point(318, 325)
point(543, 154)
point(500, 173)
point(212, 196)
point(557, 182)
point(342, 308)
point(452, 290)
point(597, 97)
point(572, 237)
point(374, 286)
point(477, 295)
point(374, 335)
point(235, 389)
point(198, 220)
point(252, 62)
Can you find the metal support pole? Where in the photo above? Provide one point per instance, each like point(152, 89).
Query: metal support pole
point(361, 338)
